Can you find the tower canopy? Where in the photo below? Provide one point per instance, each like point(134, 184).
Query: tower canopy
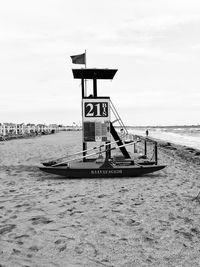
point(94, 73)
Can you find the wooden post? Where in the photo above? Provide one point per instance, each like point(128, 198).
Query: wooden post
point(83, 88)
point(84, 143)
point(145, 147)
point(94, 87)
point(134, 148)
point(156, 152)
point(108, 151)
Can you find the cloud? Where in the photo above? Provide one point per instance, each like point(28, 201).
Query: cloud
point(160, 23)
point(158, 37)
point(196, 46)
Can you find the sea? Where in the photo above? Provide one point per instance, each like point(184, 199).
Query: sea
point(183, 135)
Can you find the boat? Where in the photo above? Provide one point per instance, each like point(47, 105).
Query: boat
point(98, 127)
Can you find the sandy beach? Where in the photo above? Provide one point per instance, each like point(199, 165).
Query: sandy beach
point(146, 221)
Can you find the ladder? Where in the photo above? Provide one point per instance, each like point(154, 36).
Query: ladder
point(114, 133)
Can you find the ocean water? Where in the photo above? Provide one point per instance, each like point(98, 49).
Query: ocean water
point(186, 136)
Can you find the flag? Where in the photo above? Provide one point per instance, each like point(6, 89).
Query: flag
point(78, 59)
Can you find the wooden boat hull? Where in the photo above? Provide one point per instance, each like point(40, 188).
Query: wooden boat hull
point(128, 171)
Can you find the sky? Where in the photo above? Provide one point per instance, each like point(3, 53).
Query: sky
point(154, 44)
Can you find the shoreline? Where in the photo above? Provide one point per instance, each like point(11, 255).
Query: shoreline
point(185, 153)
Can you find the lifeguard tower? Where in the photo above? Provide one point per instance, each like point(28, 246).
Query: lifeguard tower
point(96, 112)
point(98, 128)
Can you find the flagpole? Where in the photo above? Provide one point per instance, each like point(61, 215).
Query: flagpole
point(85, 58)
point(85, 79)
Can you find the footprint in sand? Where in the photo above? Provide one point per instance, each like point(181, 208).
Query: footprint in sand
point(62, 248)
point(40, 220)
point(123, 190)
point(86, 248)
point(33, 248)
point(21, 236)
point(132, 222)
point(7, 228)
point(32, 251)
point(13, 217)
point(62, 245)
point(101, 196)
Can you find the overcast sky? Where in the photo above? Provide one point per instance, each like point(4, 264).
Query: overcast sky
point(154, 44)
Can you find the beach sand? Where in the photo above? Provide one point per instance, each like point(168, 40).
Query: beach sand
point(46, 221)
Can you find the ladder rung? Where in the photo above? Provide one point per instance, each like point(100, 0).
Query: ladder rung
point(115, 120)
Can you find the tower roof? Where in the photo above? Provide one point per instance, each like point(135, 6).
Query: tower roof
point(94, 73)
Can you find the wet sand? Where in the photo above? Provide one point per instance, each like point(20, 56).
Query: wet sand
point(46, 221)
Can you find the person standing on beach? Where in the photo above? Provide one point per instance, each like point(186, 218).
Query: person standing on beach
point(147, 132)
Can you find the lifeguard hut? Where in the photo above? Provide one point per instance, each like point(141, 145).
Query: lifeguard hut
point(96, 112)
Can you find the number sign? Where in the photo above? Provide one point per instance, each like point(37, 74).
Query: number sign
point(96, 119)
point(96, 109)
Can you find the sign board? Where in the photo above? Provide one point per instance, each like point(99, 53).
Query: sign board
point(96, 119)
